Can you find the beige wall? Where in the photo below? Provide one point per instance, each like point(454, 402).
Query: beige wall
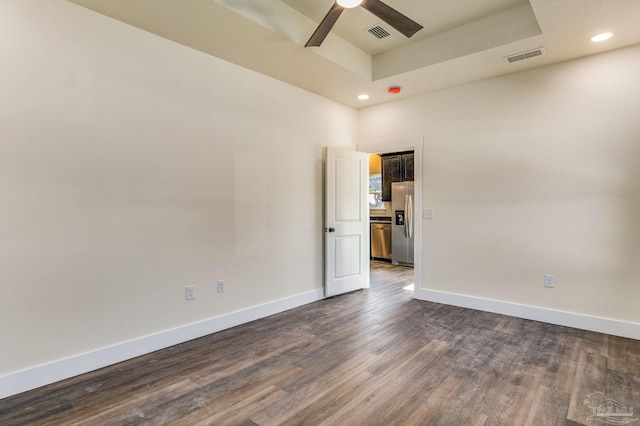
point(131, 167)
point(530, 174)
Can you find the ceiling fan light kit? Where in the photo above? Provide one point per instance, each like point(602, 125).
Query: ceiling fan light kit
point(397, 20)
point(349, 3)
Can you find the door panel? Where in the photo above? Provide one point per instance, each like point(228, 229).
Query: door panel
point(348, 256)
point(347, 190)
point(346, 221)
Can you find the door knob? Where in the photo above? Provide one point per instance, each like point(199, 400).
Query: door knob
point(332, 229)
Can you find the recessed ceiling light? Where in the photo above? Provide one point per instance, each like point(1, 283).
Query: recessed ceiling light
point(363, 97)
point(601, 37)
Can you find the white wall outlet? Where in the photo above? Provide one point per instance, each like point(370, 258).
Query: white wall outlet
point(427, 214)
point(549, 281)
point(220, 286)
point(191, 292)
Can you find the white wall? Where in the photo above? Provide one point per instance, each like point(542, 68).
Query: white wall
point(529, 174)
point(131, 167)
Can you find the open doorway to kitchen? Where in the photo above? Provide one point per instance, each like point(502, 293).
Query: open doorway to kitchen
point(395, 204)
point(391, 200)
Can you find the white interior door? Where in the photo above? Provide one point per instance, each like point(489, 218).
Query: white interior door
point(346, 221)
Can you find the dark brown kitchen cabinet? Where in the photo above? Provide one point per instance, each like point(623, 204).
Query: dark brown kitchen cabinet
point(407, 166)
point(396, 167)
point(391, 172)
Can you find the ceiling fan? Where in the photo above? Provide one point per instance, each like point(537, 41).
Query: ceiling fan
point(397, 20)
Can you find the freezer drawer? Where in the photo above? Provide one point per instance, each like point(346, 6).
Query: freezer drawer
point(381, 241)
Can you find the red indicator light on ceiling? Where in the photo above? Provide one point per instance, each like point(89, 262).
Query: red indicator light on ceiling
point(394, 90)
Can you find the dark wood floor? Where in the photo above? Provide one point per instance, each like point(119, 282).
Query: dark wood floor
point(373, 357)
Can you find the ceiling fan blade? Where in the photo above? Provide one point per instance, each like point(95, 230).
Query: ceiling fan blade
point(325, 26)
point(397, 20)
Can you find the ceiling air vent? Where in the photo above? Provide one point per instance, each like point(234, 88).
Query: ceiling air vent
point(378, 32)
point(525, 55)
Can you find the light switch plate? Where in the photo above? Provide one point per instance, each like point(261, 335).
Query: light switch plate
point(549, 281)
point(191, 292)
point(427, 214)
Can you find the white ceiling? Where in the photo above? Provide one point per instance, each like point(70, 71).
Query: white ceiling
point(462, 40)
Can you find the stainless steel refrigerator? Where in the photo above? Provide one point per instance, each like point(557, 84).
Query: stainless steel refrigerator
point(402, 230)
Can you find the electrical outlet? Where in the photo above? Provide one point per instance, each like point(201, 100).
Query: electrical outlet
point(191, 292)
point(220, 286)
point(427, 214)
point(549, 281)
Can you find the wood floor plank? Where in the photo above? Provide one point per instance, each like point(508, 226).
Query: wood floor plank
point(509, 399)
point(238, 413)
point(424, 353)
point(591, 376)
point(307, 387)
point(560, 372)
point(622, 357)
point(136, 406)
point(247, 357)
point(384, 396)
point(327, 403)
point(223, 394)
point(549, 408)
point(623, 387)
point(370, 357)
point(440, 406)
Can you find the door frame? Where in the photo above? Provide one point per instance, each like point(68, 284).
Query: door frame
point(407, 144)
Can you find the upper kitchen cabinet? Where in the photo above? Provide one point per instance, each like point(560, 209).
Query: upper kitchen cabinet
point(391, 172)
point(396, 167)
point(407, 166)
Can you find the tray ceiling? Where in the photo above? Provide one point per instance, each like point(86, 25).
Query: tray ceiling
point(462, 41)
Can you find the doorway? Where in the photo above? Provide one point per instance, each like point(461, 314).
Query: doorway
point(391, 199)
point(395, 147)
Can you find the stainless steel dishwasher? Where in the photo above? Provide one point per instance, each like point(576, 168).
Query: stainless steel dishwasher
point(381, 238)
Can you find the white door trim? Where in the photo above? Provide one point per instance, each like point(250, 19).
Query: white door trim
point(407, 144)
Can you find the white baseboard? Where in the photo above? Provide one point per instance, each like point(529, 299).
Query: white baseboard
point(551, 316)
point(35, 377)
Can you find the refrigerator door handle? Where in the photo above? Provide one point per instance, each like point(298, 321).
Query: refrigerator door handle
point(409, 219)
point(406, 216)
